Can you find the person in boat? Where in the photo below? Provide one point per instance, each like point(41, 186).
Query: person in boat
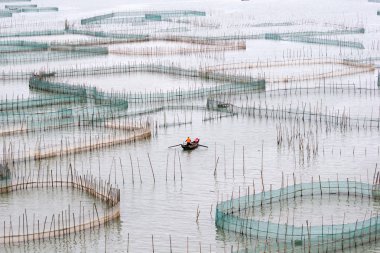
point(188, 141)
point(196, 140)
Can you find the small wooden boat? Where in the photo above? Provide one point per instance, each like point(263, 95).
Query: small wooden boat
point(191, 146)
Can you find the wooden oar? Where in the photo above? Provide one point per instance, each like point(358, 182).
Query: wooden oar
point(174, 146)
point(202, 145)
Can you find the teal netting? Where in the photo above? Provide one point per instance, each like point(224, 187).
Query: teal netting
point(107, 34)
point(18, 104)
point(5, 14)
point(86, 92)
point(49, 53)
point(305, 238)
point(20, 45)
point(141, 16)
point(307, 37)
point(14, 6)
point(33, 33)
point(39, 9)
point(162, 96)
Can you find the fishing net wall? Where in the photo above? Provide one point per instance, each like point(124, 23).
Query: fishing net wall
point(339, 68)
point(9, 10)
point(330, 42)
point(5, 14)
point(230, 84)
point(98, 97)
point(244, 36)
point(41, 32)
point(15, 46)
point(151, 31)
point(138, 16)
point(309, 37)
point(76, 109)
point(49, 54)
point(105, 117)
point(93, 136)
point(40, 101)
point(15, 6)
point(342, 120)
point(93, 143)
point(193, 48)
point(306, 238)
point(38, 9)
point(18, 108)
point(66, 222)
point(103, 34)
point(63, 117)
point(91, 46)
point(157, 68)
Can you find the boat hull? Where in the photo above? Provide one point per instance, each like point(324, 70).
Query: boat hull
point(189, 147)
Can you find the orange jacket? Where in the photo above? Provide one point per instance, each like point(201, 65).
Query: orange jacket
point(188, 140)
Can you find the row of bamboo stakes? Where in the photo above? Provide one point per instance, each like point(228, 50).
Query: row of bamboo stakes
point(42, 151)
point(162, 51)
point(331, 119)
point(25, 122)
point(339, 68)
point(93, 215)
point(65, 222)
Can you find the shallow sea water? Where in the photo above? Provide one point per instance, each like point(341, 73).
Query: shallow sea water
point(185, 182)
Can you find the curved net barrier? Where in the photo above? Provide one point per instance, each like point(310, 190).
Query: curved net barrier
point(111, 132)
point(63, 118)
point(83, 92)
point(144, 97)
point(285, 237)
point(97, 142)
point(19, 104)
point(67, 221)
